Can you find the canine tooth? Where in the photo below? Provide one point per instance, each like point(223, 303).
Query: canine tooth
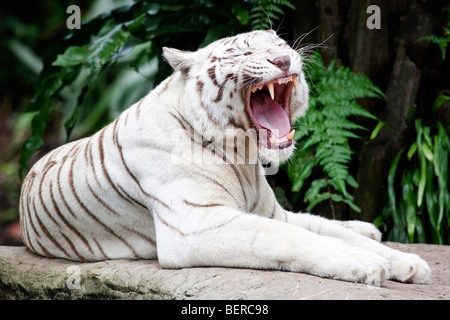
point(290, 135)
point(295, 83)
point(271, 91)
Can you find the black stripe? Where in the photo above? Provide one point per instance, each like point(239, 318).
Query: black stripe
point(92, 216)
point(119, 147)
point(138, 108)
point(72, 246)
point(66, 222)
point(273, 210)
point(111, 210)
point(207, 111)
point(58, 179)
point(44, 251)
point(48, 235)
point(131, 198)
point(142, 236)
point(198, 205)
point(201, 174)
point(102, 164)
point(101, 249)
point(49, 165)
point(238, 176)
point(25, 210)
point(29, 222)
point(31, 208)
point(258, 189)
point(183, 234)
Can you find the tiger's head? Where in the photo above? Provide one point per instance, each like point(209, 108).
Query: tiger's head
point(252, 81)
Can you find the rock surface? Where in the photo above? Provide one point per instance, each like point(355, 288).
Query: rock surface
point(24, 275)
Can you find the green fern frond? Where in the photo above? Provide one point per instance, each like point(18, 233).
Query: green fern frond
point(442, 42)
point(265, 13)
point(345, 108)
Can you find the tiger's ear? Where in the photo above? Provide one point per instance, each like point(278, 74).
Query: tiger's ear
point(179, 60)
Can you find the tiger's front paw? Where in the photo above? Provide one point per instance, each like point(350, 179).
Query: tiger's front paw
point(363, 228)
point(354, 265)
point(410, 268)
point(370, 270)
point(375, 269)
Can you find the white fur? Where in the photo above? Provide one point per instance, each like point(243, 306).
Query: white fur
point(131, 185)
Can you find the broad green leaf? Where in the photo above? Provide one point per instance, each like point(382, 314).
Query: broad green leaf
point(420, 232)
point(351, 181)
point(416, 176)
point(42, 104)
point(422, 162)
point(431, 198)
point(71, 57)
point(339, 198)
point(442, 179)
point(137, 26)
point(377, 129)
point(106, 45)
point(319, 198)
point(412, 150)
point(426, 135)
point(409, 201)
point(437, 154)
point(391, 189)
point(298, 173)
point(427, 152)
point(314, 190)
point(439, 102)
point(98, 52)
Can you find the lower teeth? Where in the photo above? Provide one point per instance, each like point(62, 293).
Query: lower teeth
point(286, 138)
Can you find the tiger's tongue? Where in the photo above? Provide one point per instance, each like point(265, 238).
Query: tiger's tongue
point(270, 115)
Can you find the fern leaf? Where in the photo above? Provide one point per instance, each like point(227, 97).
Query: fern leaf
point(299, 173)
point(338, 132)
point(264, 13)
point(345, 109)
point(319, 198)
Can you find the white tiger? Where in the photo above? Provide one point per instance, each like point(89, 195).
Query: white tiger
point(128, 191)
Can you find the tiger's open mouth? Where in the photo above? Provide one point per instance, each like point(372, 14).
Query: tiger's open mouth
point(268, 107)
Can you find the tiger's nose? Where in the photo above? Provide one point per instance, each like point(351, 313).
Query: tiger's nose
point(284, 62)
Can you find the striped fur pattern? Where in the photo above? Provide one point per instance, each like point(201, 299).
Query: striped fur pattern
point(128, 191)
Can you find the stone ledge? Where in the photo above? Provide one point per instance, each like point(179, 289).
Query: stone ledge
point(24, 275)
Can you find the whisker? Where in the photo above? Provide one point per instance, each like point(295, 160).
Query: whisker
point(309, 76)
point(280, 26)
point(319, 45)
point(301, 37)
